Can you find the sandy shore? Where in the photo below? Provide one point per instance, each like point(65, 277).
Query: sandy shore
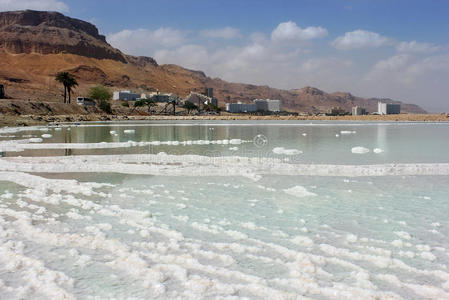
point(29, 120)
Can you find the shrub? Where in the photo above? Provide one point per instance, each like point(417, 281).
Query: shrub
point(105, 106)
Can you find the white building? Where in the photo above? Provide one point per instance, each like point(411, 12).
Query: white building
point(240, 107)
point(127, 96)
point(84, 101)
point(358, 111)
point(388, 108)
point(268, 105)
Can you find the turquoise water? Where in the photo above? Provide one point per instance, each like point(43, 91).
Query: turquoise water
point(199, 210)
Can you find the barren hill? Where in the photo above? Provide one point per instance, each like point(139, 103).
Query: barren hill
point(34, 46)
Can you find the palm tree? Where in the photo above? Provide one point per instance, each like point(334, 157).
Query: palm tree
point(174, 106)
point(68, 81)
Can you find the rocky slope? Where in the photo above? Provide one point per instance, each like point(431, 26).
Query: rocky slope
point(34, 46)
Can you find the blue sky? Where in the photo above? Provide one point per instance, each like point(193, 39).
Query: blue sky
point(372, 48)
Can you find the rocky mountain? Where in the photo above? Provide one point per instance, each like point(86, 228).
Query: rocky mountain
point(35, 45)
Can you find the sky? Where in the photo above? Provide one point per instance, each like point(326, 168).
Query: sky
point(396, 49)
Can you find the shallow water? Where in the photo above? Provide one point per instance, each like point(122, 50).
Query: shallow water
point(191, 210)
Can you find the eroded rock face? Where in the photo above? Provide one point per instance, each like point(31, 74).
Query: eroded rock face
point(51, 33)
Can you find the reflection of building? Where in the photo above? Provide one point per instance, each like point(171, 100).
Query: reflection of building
point(2, 91)
point(265, 105)
point(85, 101)
point(240, 107)
point(127, 96)
point(358, 111)
point(388, 108)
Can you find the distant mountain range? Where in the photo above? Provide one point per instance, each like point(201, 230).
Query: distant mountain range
point(35, 45)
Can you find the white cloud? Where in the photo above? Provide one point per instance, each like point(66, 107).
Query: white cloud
point(145, 41)
point(51, 5)
point(411, 78)
point(359, 39)
point(223, 33)
point(289, 31)
point(416, 47)
point(261, 59)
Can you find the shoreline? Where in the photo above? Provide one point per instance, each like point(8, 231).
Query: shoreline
point(30, 120)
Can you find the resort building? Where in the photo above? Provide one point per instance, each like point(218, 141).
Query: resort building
point(200, 99)
point(85, 101)
point(240, 107)
point(162, 97)
point(127, 96)
point(268, 105)
point(358, 111)
point(388, 108)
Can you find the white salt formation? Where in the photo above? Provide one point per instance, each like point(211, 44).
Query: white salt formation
point(178, 225)
point(359, 150)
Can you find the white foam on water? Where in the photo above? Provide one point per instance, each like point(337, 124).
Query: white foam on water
point(129, 131)
point(46, 136)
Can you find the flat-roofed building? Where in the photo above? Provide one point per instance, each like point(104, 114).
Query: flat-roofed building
point(388, 108)
point(358, 111)
point(127, 96)
point(268, 105)
point(84, 101)
point(241, 107)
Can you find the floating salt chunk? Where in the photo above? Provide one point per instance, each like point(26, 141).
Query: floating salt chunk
point(235, 141)
point(304, 134)
point(347, 132)
point(129, 131)
point(282, 150)
point(299, 191)
point(378, 150)
point(35, 140)
point(337, 135)
point(58, 128)
point(359, 150)
point(113, 132)
point(234, 148)
point(46, 136)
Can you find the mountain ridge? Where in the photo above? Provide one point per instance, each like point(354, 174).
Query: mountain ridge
point(35, 45)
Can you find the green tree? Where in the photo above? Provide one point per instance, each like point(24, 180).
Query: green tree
point(99, 93)
point(102, 95)
point(68, 81)
point(189, 106)
point(145, 102)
